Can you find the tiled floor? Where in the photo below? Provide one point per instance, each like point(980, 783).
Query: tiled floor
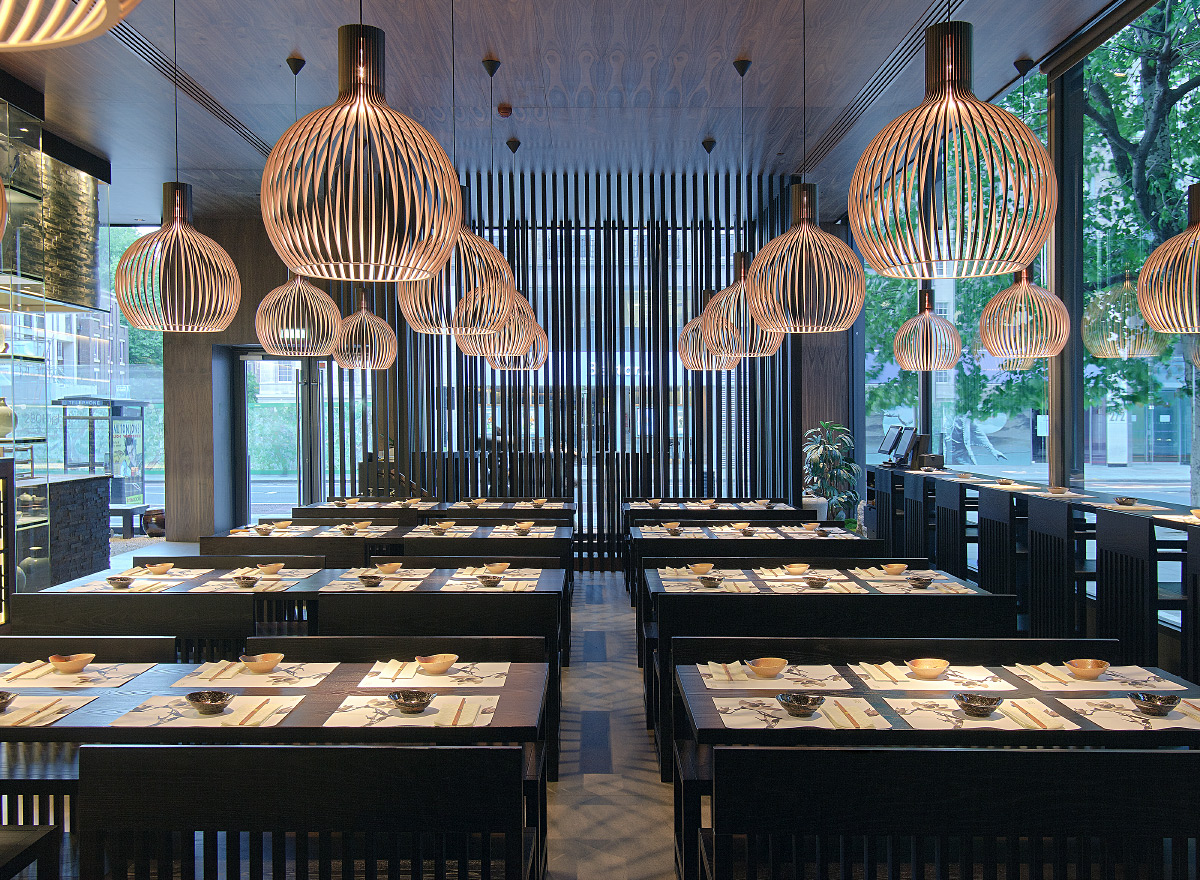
point(610, 817)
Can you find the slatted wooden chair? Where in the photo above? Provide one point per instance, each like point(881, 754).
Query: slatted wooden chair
point(951, 813)
point(417, 811)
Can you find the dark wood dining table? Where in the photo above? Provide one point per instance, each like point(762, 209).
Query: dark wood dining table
point(339, 550)
point(487, 540)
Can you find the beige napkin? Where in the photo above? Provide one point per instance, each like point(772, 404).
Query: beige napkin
point(1189, 709)
point(218, 670)
point(739, 587)
point(27, 717)
point(728, 671)
point(397, 670)
point(876, 672)
point(870, 572)
point(1009, 709)
point(1036, 673)
point(256, 715)
point(460, 714)
point(837, 711)
point(27, 671)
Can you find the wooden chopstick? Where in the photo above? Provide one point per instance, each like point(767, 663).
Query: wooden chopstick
point(461, 705)
point(884, 670)
point(399, 669)
point(253, 711)
point(846, 712)
point(36, 712)
point(38, 664)
point(1029, 715)
point(1040, 668)
point(221, 671)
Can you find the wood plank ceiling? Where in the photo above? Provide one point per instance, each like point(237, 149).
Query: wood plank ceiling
point(594, 84)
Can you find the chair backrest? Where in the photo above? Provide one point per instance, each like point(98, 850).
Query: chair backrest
point(368, 649)
point(461, 561)
point(688, 649)
point(232, 561)
point(749, 562)
point(368, 795)
point(108, 649)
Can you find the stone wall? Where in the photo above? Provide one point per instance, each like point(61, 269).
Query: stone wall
point(78, 527)
point(71, 234)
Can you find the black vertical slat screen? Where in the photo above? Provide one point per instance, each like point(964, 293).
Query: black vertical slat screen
point(613, 265)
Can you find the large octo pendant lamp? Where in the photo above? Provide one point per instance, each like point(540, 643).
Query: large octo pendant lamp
point(1024, 321)
point(694, 352)
point(1113, 326)
point(532, 360)
point(730, 309)
point(357, 191)
point(1168, 288)
point(47, 24)
point(955, 188)
point(298, 319)
point(928, 341)
point(365, 341)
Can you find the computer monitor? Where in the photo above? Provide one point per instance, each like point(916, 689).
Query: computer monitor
point(904, 444)
point(890, 438)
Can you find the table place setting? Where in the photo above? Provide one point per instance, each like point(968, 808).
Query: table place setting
point(477, 504)
point(38, 710)
point(1132, 713)
point(427, 531)
point(665, 505)
point(236, 711)
point(374, 580)
point(1006, 714)
point(431, 673)
point(44, 674)
point(875, 573)
point(235, 673)
point(364, 532)
point(509, 530)
point(934, 588)
point(262, 531)
point(740, 676)
point(821, 532)
point(549, 505)
point(799, 573)
point(170, 574)
point(678, 532)
point(1008, 487)
point(742, 530)
point(478, 579)
point(832, 713)
point(928, 674)
point(135, 585)
point(441, 711)
point(1186, 519)
point(1067, 494)
point(244, 584)
point(684, 580)
point(1091, 675)
point(1137, 508)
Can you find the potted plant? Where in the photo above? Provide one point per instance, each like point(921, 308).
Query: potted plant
point(829, 468)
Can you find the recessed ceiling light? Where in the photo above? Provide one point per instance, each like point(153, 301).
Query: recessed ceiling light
point(23, 129)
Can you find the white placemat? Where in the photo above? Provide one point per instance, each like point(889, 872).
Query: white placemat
point(23, 711)
point(177, 712)
point(452, 532)
point(944, 714)
point(368, 532)
point(409, 675)
point(1134, 507)
point(486, 505)
point(292, 531)
point(731, 534)
point(1011, 487)
point(1055, 677)
point(681, 586)
point(39, 673)
point(223, 674)
point(510, 531)
point(955, 678)
point(363, 711)
point(390, 584)
point(1185, 518)
point(737, 676)
point(549, 505)
point(1060, 495)
point(831, 532)
point(156, 585)
point(906, 589)
point(645, 505)
point(659, 532)
point(878, 574)
point(834, 586)
point(1121, 714)
point(175, 574)
point(836, 713)
point(264, 585)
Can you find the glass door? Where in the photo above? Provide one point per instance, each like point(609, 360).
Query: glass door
point(273, 435)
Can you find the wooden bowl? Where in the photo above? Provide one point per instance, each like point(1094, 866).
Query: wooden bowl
point(1087, 670)
point(283, 524)
point(700, 567)
point(365, 524)
point(160, 567)
point(927, 668)
point(709, 502)
point(388, 567)
point(270, 567)
point(1058, 490)
point(352, 501)
point(670, 525)
point(796, 567)
point(496, 567)
point(260, 664)
point(654, 502)
point(436, 664)
point(767, 667)
point(70, 664)
point(811, 526)
point(894, 567)
point(539, 502)
point(1196, 512)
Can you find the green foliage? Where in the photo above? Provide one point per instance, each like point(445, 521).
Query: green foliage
point(145, 346)
point(829, 468)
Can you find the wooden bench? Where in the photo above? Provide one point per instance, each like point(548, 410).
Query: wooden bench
point(127, 512)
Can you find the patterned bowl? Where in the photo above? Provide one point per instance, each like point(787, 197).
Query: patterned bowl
point(1125, 501)
point(437, 531)
point(964, 476)
point(270, 567)
point(339, 503)
point(748, 532)
point(816, 581)
point(711, 581)
point(1087, 670)
point(489, 580)
point(978, 705)
point(411, 702)
point(260, 664)
point(119, 581)
point(264, 529)
point(209, 702)
point(822, 533)
point(675, 532)
point(521, 531)
point(368, 579)
point(920, 581)
point(70, 664)
point(1058, 490)
point(1003, 481)
point(1154, 705)
point(800, 705)
point(6, 697)
point(246, 581)
point(437, 664)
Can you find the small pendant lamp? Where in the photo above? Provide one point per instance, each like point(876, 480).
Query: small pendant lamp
point(695, 354)
point(928, 341)
point(1168, 288)
point(532, 360)
point(956, 187)
point(514, 338)
point(365, 341)
point(1024, 321)
point(731, 308)
point(1190, 348)
point(357, 191)
point(47, 24)
point(1113, 326)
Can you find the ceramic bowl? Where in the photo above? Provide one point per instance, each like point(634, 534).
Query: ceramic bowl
point(370, 579)
point(1125, 501)
point(260, 664)
point(264, 529)
point(411, 702)
point(437, 531)
point(474, 503)
point(765, 502)
point(209, 702)
point(978, 705)
point(964, 476)
point(810, 526)
point(796, 567)
point(246, 581)
point(365, 524)
point(1196, 512)
point(920, 581)
point(800, 705)
point(352, 501)
point(927, 668)
point(822, 533)
point(444, 524)
point(816, 581)
point(748, 532)
point(70, 664)
point(928, 470)
point(119, 581)
point(654, 502)
point(1088, 670)
point(711, 581)
point(388, 567)
point(700, 567)
point(767, 667)
point(496, 567)
point(1154, 705)
point(339, 503)
point(160, 567)
point(894, 568)
point(347, 529)
point(709, 502)
point(489, 580)
point(1058, 490)
point(6, 697)
point(539, 502)
point(1003, 481)
point(437, 664)
point(282, 524)
point(521, 531)
point(270, 567)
